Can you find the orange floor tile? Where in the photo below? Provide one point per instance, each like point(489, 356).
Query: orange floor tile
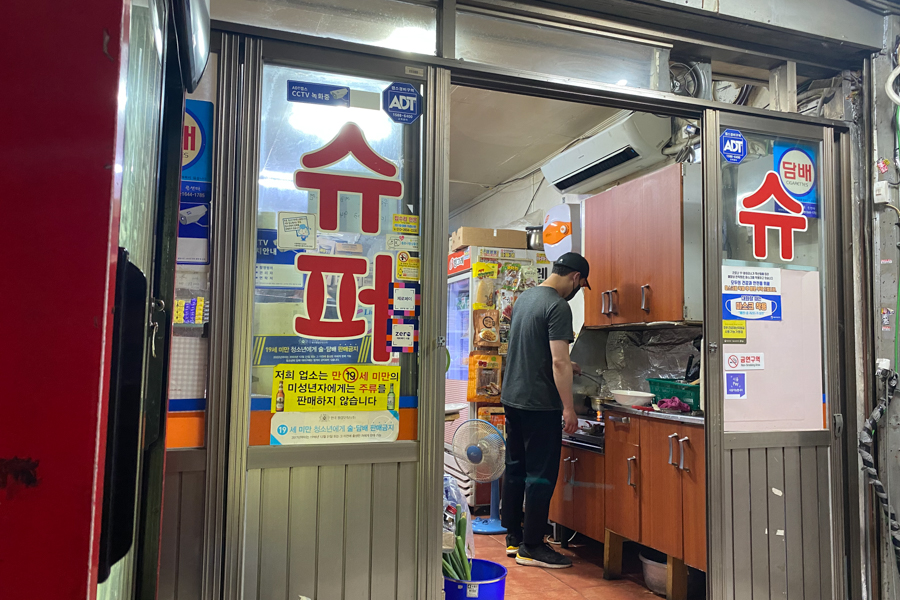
point(583, 581)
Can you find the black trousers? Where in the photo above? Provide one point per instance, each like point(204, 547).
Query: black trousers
point(533, 447)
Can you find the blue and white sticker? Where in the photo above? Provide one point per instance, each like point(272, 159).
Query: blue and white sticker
point(796, 164)
point(735, 386)
point(318, 93)
point(402, 103)
point(196, 183)
point(733, 145)
point(751, 294)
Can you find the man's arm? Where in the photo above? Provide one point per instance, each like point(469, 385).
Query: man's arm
point(562, 376)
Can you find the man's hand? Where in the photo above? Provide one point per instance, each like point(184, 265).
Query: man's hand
point(571, 420)
point(575, 368)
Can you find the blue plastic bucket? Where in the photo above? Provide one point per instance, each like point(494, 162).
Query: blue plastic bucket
point(488, 583)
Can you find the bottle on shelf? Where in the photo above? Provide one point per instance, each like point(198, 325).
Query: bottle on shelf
point(279, 398)
point(391, 401)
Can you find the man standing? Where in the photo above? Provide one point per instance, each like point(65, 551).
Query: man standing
point(537, 398)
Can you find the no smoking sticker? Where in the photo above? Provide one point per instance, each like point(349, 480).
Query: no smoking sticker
point(745, 362)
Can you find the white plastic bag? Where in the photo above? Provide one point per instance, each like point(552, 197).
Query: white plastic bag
point(454, 497)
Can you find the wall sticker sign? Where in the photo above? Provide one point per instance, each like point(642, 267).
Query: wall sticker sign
point(733, 145)
point(318, 93)
point(735, 386)
point(402, 103)
point(291, 428)
point(786, 222)
point(734, 332)
point(403, 335)
point(296, 231)
point(316, 388)
point(405, 300)
point(751, 294)
point(796, 167)
point(407, 224)
point(196, 183)
point(402, 242)
point(407, 267)
point(745, 362)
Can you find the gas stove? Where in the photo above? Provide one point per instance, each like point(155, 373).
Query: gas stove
point(590, 435)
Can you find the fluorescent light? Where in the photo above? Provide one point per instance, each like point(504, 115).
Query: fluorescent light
point(622, 82)
point(324, 122)
point(410, 39)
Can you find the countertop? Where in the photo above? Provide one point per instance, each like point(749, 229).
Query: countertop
point(654, 414)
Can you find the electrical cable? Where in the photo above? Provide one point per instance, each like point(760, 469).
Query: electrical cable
point(536, 190)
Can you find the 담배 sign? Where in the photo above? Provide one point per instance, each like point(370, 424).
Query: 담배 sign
point(333, 427)
point(196, 183)
point(735, 386)
point(751, 294)
point(407, 267)
point(745, 362)
point(796, 167)
point(733, 146)
point(317, 388)
point(296, 231)
point(402, 103)
point(407, 224)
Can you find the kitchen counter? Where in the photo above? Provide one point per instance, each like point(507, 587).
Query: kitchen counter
point(654, 414)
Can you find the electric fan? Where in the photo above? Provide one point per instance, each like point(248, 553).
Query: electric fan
point(480, 452)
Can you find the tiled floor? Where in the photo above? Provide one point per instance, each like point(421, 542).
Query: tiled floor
point(584, 580)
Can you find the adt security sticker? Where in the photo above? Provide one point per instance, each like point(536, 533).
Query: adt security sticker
point(402, 103)
point(751, 294)
point(318, 93)
point(735, 386)
point(796, 167)
point(733, 146)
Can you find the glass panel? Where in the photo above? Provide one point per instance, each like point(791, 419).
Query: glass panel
point(189, 362)
point(382, 23)
point(337, 297)
point(771, 282)
point(458, 325)
point(559, 52)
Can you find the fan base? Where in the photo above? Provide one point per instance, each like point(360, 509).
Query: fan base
point(488, 526)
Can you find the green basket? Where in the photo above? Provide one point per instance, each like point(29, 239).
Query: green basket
point(674, 388)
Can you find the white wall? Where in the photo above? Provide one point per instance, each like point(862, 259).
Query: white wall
point(508, 206)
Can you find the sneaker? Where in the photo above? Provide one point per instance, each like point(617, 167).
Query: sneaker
point(541, 556)
point(512, 544)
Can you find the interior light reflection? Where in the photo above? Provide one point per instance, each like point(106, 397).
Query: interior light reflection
point(324, 122)
point(410, 39)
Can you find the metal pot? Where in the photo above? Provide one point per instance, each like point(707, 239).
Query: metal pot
point(535, 238)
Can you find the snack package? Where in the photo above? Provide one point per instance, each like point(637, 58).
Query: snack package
point(484, 293)
point(509, 276)
point(487, 334)
point(505, 301)
point(528, 276)
point(495, 415)
point(484, 378)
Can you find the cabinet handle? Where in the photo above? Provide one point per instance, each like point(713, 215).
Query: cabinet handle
point(629, 461)
point(681, 449)
point(572, 473)
point(644, 289)
point(623, 420)
point(672, 439)
point(565, 474)
point(602, 303)
point(612, 305)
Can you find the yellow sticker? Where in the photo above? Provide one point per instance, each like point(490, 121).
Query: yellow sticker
point(314, 388)
point(406, 224)
point(407, 267)
point(734, 332)
point(485, 269)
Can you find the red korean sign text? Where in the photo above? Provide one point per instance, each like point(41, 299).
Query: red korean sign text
point(761, 221)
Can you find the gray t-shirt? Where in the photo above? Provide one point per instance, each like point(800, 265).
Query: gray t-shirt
point(539, 316)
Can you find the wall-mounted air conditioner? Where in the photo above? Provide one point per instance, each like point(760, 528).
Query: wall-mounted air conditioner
point(629, 143)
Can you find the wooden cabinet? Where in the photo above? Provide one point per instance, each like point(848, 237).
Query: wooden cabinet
point(661, 490)
point(693, 493)
point(634, 242)
point(578, 500)
point(623, 477)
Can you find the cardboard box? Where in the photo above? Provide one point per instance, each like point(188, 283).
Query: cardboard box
point(496, 238)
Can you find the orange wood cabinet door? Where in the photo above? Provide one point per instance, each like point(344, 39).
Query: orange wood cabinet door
point(661, 499)
point(561, 505)
point(588, 478)
point(693, 482)
point(622, 468)
point(659, 276)
point(627, 251)
point(598, 221)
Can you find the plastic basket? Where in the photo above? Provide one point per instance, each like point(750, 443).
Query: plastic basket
point(674, 388)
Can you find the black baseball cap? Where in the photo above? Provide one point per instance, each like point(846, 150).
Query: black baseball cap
point(576, 262)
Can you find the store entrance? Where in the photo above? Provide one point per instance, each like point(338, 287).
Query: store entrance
point(531, 179)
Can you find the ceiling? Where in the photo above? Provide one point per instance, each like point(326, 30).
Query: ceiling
point(495, 136)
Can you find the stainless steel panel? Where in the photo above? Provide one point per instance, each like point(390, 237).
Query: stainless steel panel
point(330, 542)
point(357, 527)
point(793, 530)
point(743, 554)
point(168, 550)
point(777, 439)
point(303, 531)
point(268, 457)
point(826, 564)
point(727, 529)
point(777, 523)
point(273, 532)
point(251, 537)
point(406, 530)
point(384, 532)
point(759, 523)
point(809, 506)
point(185, 459)
point(692, 238)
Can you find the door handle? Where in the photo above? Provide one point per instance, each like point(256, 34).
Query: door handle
point(629, 461)
point(672, 439)
point(623, 420)
point(681, 449)
point(644, 289)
